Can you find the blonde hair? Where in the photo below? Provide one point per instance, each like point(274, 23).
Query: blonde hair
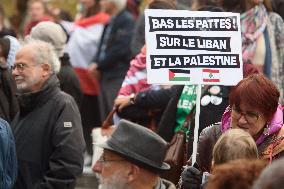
point(234, 144)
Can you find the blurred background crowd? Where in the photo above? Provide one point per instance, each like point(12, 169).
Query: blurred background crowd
point(102, 52)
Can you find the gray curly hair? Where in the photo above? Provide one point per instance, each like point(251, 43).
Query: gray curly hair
point(44, 52)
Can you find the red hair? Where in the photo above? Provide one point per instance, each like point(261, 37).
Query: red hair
point(256, 91)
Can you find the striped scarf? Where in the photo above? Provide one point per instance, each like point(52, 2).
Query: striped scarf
point(253, 24)
point(136, 77)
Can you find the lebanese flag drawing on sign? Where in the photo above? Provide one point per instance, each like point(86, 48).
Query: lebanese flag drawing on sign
point(210, 75)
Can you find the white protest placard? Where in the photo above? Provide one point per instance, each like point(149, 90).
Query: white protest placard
point(193, 47)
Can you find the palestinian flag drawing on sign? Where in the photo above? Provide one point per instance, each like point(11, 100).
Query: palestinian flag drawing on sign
point(179, 75)
point(210, 75)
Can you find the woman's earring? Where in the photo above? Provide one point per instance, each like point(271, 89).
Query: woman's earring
point(266, 130)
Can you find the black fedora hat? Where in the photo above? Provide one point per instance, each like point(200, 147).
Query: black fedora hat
point(138, 144)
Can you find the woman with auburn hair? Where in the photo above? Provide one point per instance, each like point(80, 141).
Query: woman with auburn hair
point(253, 107)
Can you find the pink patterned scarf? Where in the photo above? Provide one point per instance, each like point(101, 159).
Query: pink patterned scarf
point(136, 77)
point(253, 24)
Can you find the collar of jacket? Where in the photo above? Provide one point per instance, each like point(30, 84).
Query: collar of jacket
point(28, 101)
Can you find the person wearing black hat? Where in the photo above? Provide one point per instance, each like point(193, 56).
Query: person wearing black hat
point(133, 158)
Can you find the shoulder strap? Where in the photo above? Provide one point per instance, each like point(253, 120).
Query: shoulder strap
point(187, 119)
point(107, 123)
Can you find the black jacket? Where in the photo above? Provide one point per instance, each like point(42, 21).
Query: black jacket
point(148, 107)
point(207, 139)
point(8, 102)
point(117, 54)
point(49, 139)
point(167, 99)
point(69, 82)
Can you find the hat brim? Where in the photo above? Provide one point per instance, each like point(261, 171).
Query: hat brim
point(130, 156)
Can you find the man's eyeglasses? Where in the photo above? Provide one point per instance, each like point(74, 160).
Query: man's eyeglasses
point(251, 117)
point(103, 160)
point(20, 67)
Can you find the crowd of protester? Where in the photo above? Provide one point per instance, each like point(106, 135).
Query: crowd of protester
point(61, 76)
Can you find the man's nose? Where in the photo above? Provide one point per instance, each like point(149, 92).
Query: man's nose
point(15, 72)
point(97, 168)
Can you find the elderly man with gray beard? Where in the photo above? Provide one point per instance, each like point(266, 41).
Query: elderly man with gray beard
point(132, 159)
point(47, 130)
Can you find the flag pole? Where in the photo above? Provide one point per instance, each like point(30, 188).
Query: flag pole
point(196, 127)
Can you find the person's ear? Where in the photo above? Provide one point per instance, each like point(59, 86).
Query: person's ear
point(46, 68)
point(133, 173)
